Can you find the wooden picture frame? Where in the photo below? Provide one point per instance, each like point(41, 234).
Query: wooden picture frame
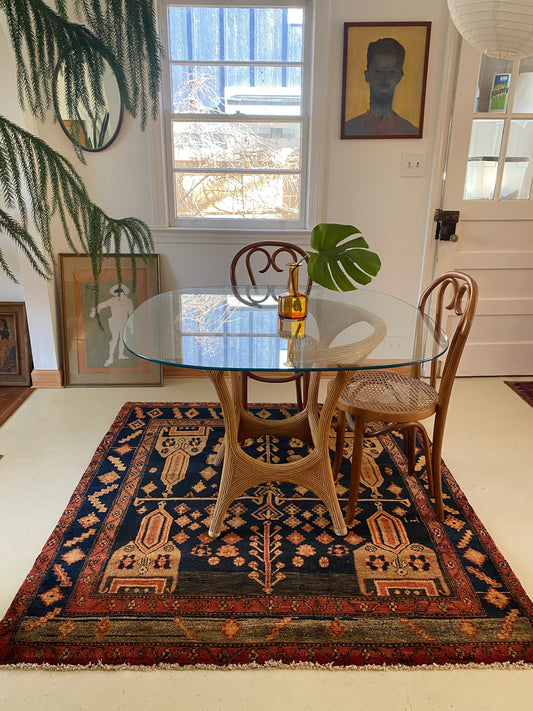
point(93, 353)
point(15, 351)
point(385, 99)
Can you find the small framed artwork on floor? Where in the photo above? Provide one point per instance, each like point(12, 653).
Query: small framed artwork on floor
point(15, 352)
point(93, 350)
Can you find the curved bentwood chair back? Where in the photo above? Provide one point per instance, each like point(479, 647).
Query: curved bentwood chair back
point(248, 266)
point(400, 401)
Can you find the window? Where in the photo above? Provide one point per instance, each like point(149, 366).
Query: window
point(208, 323)
point(236, 109)
point(500, 165)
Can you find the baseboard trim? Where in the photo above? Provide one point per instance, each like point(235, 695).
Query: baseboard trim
point(47, 378)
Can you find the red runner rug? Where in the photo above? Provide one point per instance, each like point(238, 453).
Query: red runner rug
point(522, 388)
point(130, 576)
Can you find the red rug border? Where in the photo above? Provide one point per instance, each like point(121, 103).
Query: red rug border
point(413, 658)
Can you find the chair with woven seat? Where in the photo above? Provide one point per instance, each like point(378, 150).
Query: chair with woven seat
point(259, 258)
point(399, 402)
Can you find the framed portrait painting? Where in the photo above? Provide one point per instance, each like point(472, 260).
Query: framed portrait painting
point(93, 350)
point(384, 79)
point(15, 352)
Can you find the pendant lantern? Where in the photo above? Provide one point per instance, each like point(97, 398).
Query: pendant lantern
point(499, 28)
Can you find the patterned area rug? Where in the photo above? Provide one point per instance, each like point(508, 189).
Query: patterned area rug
point(524, 389)
point(131, 577)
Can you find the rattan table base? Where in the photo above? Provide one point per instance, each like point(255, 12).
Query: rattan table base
point(241, 471)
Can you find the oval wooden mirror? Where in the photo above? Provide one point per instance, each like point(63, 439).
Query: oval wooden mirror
point(92, 125)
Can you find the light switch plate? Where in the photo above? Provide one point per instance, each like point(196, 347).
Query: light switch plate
point(413, 165)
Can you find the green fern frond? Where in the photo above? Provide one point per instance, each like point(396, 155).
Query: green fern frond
point(54, 187)
point(124, 32)
point(26, 243)
point(38, 184)
point(128, 28)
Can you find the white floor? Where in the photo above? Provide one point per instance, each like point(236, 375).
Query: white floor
point(48, 443)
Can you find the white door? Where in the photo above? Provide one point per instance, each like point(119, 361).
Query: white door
point(488, 179)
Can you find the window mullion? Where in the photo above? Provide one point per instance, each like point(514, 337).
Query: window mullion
point(235, 118)
point(239, 171)
point(506, 131)
point(233, 63)
point(501, 157)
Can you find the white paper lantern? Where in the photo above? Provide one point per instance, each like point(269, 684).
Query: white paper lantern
point(499, 28)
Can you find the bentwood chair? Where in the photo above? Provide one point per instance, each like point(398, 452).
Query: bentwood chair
point(399, 402)
point(257, 259)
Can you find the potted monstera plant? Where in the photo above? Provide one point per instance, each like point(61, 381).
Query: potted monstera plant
point(340, 263)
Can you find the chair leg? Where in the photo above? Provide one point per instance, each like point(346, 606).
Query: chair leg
point(409, 445)
point(428, 454)
point(410, 451)
point(357, 461)
point(339, 443)
point(438, 433)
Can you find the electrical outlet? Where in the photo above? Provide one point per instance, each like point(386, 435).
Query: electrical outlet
point(413, 165)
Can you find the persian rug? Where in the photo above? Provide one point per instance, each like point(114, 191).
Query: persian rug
point(522, 388)
point(130, 576)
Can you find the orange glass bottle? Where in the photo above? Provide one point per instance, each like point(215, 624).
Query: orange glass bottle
point(293, 303)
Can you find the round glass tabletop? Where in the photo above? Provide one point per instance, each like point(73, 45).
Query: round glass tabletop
point(238, 328)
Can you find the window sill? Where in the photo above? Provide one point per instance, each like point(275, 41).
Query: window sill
point(202, 235)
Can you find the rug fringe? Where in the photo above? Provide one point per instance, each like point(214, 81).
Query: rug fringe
point(270, 665)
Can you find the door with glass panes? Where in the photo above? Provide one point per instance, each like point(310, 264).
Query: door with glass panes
point(489, 177)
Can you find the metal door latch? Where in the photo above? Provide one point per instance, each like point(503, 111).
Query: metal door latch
point(446, 221)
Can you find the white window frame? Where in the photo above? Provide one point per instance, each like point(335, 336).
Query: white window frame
point(314, 71)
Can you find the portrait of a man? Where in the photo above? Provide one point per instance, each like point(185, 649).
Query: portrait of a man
point(384, 86)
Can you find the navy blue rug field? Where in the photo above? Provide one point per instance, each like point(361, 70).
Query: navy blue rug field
point(130, 576)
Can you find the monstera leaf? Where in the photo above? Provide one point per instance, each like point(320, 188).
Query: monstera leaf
point(337, 263)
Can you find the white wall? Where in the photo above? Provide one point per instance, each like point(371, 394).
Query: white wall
point(364, 185)
point(9, 291)
point(361, 181)
point(38, 295)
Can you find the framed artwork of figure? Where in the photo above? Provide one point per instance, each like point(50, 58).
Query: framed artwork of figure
point(93, 350)
point(384, 79)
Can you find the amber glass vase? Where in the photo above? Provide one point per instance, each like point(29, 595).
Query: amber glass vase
point(293, 303)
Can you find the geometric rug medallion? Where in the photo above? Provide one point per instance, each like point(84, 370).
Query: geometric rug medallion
point(131, 577)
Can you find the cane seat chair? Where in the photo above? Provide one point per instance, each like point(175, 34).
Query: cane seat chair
point(399, 402)
point(259, 258)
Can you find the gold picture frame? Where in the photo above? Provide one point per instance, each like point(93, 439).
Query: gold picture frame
point(384, 79)
point(93, 351)
point(15, 351)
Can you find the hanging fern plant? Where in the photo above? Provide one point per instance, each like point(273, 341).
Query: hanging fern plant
point(37, 183)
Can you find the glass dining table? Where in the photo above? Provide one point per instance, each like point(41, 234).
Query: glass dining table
point(229, 331)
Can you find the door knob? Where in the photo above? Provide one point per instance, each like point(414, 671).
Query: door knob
point(446, 221)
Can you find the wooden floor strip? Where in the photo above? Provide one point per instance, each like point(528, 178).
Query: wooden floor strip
point(11, 397)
